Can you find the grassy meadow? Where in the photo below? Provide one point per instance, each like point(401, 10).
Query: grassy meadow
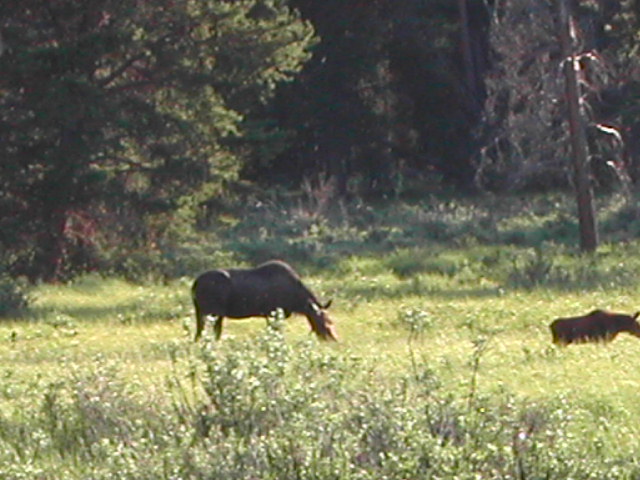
point(445, 367)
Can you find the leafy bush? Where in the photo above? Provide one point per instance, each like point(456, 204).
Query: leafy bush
point(533, 270)
point(187, 256)
point(13, 295)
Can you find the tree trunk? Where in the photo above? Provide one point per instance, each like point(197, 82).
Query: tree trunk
point(53, 249)
point(58, 200)
point(579, 146)
point(467, 54)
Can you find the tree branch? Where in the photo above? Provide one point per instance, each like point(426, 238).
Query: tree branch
point(120, 70)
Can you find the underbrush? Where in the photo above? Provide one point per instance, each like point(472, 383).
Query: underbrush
point(14, 297)
point(269, 409)
point(514, 242)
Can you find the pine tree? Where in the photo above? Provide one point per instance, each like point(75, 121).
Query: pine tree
point(113, 105)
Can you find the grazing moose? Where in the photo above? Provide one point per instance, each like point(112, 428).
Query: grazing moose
point(241, 293)
point(597, 326)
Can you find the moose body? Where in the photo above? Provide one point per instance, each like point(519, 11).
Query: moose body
point(597, 326)
point(241, 293)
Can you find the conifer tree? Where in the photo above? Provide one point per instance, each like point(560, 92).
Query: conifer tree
point(108, 105)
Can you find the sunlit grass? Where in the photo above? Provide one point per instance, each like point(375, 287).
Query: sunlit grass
point(135, 326)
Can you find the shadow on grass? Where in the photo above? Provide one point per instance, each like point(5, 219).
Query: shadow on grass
point(127, 313)
point(413, 289)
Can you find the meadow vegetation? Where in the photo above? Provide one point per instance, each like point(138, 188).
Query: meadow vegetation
point(445, 368)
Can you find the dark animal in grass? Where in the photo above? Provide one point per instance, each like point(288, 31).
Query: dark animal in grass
point(241, 293)
point(597, 326)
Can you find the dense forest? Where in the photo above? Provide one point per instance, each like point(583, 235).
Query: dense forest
point(123, 122)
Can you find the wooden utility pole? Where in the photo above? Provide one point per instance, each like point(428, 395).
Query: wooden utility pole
point(579, 146)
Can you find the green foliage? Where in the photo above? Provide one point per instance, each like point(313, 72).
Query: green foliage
point(124, 122)
point(184, 256)
point(507, 242)
point(534, 270)
point(13, 295)
point(116, 114)
point(408, 263)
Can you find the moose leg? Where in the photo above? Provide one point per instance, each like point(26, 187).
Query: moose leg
point(199, 322)
point(217, 326)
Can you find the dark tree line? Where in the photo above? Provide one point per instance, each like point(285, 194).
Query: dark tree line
point(393, 88)
point(120, 118)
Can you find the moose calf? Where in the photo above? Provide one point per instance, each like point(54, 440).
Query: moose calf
point(597, 326)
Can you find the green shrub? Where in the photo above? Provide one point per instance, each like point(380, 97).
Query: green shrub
point(13, 295)
point(532, 269)
point(552, 266)
point(169, 260)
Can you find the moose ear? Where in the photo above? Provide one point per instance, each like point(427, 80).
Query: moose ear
point(636, 315)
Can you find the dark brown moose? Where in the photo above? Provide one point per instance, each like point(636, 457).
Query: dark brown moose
point(597, 326)
point(241, 293)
